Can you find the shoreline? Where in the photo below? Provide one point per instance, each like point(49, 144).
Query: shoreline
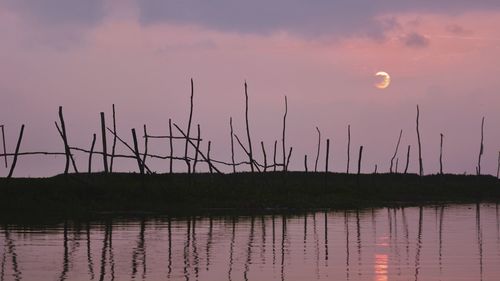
point(131, 194)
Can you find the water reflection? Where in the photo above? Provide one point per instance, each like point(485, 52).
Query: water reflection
point(421, 243)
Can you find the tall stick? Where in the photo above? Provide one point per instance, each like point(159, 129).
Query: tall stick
point(420, 164)
point(265, 156)
point(65, 140)
point(208, 157)
point(407, 159)
point(348, 147)
point(250, 154)
point(397, 162)
point(14, 162)
point(327, 154)
point(104, 145)
point(91, 152)
point(136, 152)
point(441, 156)
point(113, 149)
point(283, 136)
point(69, 149)
point(145, 145)
point(4, 147)
point(171, 146)
point(197, 149)
point(274, 155)
point(288, 158)
point(201, 154)
point(189, 127)
point(481, 149)
point(498, 166)
point(232, 143)
point(305, 163)
point(396, 150)
point(317, 153)
point(359, 159)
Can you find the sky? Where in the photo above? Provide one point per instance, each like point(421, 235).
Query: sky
point(321, 55)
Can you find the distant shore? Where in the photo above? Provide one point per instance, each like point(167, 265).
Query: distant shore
point(182, 193)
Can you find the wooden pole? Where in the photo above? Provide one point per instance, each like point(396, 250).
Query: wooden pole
point(136, 152)
point(498, 166)
point(197, 149)
point(396, 150)
point(171, 146)
point(375, 171)
point(265, 156)
point(189, 127)
point(65, 140)
point(288, 158)
point(441, 156)
point(4, 147)
point(129, 147)
point(104, 145)
point(481, 149)
point(407, 159)
point(305, 163)
point(232, 143)
point(397, 162)
point(317, 153)
point(246, 152)
point(113, 149)
point(420, 162)
point(69, 149)
point(359, 159)
point(327, 154)
point(283, 136)
point(208, 157)
point(145, 145)
point(250, 153)
point(348, 147)
point(274, 155)
point(91, 152)
point(14, 162)
point(201, 154)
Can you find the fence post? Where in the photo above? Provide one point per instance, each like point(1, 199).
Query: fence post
point(91, 152)
point(4, 147)
point(104, 145)
point(136, 152)
point(14, 162)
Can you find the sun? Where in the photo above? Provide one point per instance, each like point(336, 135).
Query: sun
point(386, 80)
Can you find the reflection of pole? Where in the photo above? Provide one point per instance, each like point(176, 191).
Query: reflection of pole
point(419, 243)
point(441, 217)
point(479, 239)
point(326, 238)
point(346, 225)
point(89, 255)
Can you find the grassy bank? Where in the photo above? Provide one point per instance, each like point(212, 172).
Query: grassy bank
point(78, 194)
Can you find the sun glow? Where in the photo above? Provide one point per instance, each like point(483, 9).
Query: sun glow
point(386, 80)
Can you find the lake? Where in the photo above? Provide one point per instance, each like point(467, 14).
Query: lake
point(450, 242)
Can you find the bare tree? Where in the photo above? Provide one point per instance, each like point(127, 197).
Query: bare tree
point(481, 149)
point(441, 155)
point(319, 147)
point(420, 164)
point(396, 150)
point(250, 153)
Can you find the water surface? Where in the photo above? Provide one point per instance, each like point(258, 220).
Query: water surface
point(458, 242)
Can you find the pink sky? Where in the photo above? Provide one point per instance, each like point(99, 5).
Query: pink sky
point(445, 62)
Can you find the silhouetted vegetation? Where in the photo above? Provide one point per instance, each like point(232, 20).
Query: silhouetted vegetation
point(83, 193)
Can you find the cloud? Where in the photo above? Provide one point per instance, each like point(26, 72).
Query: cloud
point(415, 40)
point(56, 12)
point(458, 30)
point(306, 18)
